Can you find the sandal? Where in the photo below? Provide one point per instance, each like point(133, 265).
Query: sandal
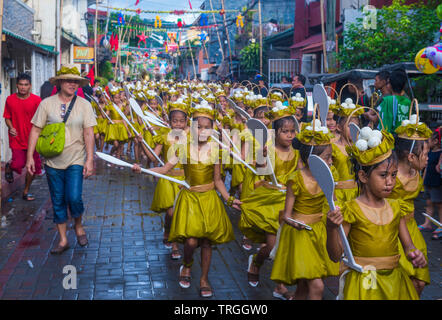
point(284, 296)
point(176, 255)
point(60, 249)
point(437, 234)
point(426, 229)
point(246, 244)
point(206, 289)
point(184, 279)
point(252, 278)
point(167, 244)
point(82, 240)
point(9, 174)
point(28, 197)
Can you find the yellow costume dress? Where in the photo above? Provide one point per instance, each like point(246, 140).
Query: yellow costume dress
point(261, 209)
point(166, 191)
point(147, 135)
point(408, 189)
point(302, 254)
point(116, 131)
point(101, 122)
point(198, 211)
point(373, 238)
point(238, 169)
point(346, 188)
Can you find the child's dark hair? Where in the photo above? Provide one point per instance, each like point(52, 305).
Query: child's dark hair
point(175, 111)
point(402, 147)
point(391, 160)
point(278, 124)
point(305, 151)
point(259, 109)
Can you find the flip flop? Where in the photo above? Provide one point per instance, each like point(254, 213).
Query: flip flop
point(252, 278)
point(284, 296)
point(176, 255)
point(426, 229)
point(28, 197)
point(437, 234)
point(206, 295)
point(184, 279)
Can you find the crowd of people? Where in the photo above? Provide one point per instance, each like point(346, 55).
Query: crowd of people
point(200, 133)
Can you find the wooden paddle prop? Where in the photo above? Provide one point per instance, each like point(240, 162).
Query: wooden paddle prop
point(235, 107)
point(237, 157)
point(256, 126)
point(121, 113)
point(354, 131)
point(119, 162)
point(134, 105)
point(323, 176)
point(98, 104)
point(320, 97)
point(437, 223)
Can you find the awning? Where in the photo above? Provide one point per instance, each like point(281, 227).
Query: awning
point(312, 48)
point(72, 38)
point(42, 47)
point(310, 40)
point(311, 43)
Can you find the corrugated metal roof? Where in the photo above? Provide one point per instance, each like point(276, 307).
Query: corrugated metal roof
point(43, 47)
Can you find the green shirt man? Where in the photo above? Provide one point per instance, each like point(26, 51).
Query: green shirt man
point(393, 110)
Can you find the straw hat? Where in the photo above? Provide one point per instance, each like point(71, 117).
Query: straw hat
point(69, 72)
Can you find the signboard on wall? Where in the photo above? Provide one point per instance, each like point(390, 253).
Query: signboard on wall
point(83, 55)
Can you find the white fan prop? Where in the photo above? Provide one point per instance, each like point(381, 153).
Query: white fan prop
point(119, 162)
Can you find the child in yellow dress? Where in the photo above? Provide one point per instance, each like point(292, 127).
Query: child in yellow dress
point(117, 132)
point(199, 217)
point(373, 224)
point(346, 187)
point(411, 148)
point(166, 191)
point(261, 209)
point(301, 257)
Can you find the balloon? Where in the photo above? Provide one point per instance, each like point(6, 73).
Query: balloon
point(423, 64)
point(434, 54)
point(439, 11)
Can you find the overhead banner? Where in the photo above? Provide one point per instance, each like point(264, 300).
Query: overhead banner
point(83, 55)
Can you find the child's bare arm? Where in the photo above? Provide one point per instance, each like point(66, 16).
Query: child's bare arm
point(334, 244)
point(416, 257)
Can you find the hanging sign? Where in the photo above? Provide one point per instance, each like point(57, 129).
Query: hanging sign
point(83, 55)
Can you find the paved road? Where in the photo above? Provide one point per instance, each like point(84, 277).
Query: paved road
point(125, 258)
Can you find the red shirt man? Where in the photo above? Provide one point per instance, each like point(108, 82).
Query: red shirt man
point(19, 111)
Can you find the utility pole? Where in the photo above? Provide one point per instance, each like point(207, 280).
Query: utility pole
point(1, 88)
point(260, 37)
point(95, 38)
point(330, 44)
point(324, 51)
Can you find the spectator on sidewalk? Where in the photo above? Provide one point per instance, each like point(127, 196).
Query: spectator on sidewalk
point(298, 86)
point(65, 172)
point(394, 108)
point(19, 110)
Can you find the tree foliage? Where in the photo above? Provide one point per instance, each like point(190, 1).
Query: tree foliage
point(401, 31)
point(249, 57)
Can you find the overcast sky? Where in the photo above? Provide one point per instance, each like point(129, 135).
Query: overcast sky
point(159, 5)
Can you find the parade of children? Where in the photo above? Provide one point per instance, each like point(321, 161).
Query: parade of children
point(217, 149)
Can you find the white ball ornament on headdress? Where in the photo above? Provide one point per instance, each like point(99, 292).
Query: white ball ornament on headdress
point(366, 133)
point(348, 101)
point(373, 142)
point(298, 95)
point(362, 144)
point(405, 122)
point(414, 119)
point(377, 134)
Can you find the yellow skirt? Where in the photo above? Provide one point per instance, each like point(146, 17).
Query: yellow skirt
point(422, 274)
point(248, 184)
point(380, 285)
point(102, 125)
point(237, 174)
point(302, 254)
point(165, 194)
point(116, 132)
point(200, 215)
point(260, 213)
point(147, 136)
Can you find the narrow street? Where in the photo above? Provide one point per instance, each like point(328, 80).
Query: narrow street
point(125, 258)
